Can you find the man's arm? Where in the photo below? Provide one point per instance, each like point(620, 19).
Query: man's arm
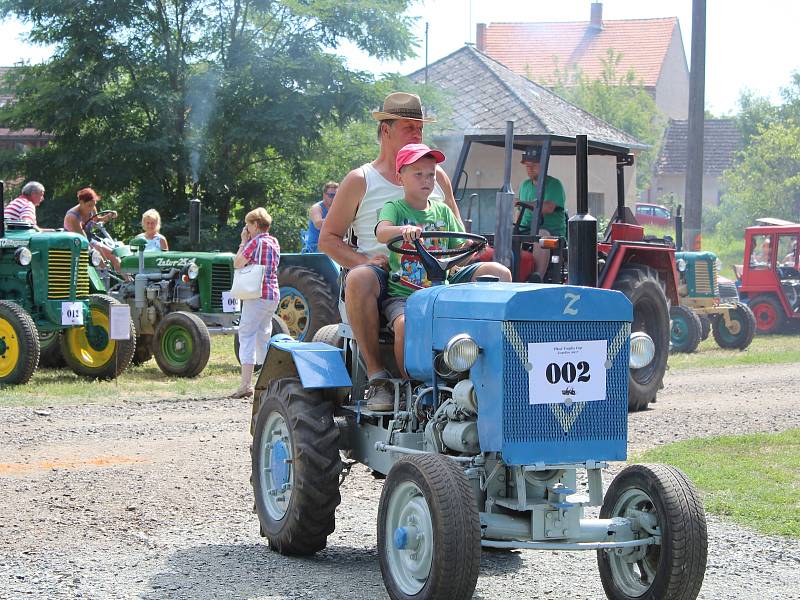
point(340, 217)
point(315, 214)
point(449, 199)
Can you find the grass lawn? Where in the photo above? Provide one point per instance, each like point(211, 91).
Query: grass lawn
point(765, 349)
point(50, 387)
point(752, 479)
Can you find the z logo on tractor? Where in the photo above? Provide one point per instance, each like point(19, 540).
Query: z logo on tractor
point(572, 299)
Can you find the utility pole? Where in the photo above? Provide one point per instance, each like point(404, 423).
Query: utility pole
point(694, 164)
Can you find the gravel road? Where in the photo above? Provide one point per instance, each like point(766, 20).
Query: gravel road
point(152, 501)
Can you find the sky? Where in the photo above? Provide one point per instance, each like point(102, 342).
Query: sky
point(753, 45)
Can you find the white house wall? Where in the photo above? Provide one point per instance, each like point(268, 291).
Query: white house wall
point(672, 89)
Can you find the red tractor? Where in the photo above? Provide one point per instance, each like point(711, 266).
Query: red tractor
point(643, 269)
point(769, 279)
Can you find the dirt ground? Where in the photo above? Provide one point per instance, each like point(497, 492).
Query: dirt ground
point(152, 500)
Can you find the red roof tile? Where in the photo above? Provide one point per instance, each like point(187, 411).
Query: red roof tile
point(534, 49)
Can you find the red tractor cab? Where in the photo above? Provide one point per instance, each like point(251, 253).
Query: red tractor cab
point(769, 278)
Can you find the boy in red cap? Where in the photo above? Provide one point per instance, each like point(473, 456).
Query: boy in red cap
point(409, 217)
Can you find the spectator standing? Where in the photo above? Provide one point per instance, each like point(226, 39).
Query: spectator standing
point(255, 325)
point(317, 214)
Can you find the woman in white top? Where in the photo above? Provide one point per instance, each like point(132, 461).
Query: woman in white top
point(151, 223)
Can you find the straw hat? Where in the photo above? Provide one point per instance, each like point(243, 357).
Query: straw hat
point(400, 105)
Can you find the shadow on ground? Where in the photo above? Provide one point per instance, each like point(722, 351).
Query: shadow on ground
point(253, 571)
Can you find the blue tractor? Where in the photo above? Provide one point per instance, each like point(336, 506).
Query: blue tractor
point(518, 401)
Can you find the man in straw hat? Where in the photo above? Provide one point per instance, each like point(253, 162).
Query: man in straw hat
point(360, 196)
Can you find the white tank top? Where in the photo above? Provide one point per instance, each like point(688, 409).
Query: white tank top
point(378, 192)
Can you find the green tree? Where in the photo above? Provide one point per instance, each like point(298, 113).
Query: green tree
point(765, 181)
point(622, 101)
point(155, 101)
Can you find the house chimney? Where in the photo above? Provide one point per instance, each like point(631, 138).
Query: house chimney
point(480, 36)
point(596, 20)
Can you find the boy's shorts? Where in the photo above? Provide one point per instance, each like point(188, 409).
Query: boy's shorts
point(395, 306)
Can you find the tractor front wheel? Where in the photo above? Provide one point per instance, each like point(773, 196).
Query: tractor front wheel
point(705, 327)
point(182, 344)
point(741, 331)
point(89, 350)
point(429, 540)
point(665, 504)
point(769, 314)
point(19, 344)
point(685, 329)
point(295, 468)
point(643, 288)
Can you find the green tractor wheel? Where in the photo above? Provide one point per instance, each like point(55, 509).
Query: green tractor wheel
point(685, 329)
point(739, 334)
point(50, 350)
point(182, 344)
point(19, 344)
point(89, 350)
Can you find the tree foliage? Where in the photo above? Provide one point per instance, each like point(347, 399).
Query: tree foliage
point(765, 181)
point(621, 100)
point(156, 101)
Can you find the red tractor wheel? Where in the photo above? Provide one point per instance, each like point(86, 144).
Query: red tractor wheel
point(769, 314)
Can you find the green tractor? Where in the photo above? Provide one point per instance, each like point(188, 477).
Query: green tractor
point(178, 299)
point(706, 304)
point(46, 307)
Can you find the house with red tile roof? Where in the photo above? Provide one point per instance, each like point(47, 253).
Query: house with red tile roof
point(652, 48)
point(24, 139)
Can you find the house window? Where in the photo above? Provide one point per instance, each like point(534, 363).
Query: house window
point(596, 204)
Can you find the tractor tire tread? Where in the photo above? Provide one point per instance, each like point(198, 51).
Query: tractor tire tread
point(28, 342)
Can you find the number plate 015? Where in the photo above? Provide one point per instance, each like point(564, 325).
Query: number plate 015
point(567, 371)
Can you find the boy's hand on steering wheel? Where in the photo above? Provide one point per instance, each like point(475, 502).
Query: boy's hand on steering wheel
point(411, 233)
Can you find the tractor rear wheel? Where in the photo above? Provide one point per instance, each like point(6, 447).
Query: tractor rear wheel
point(144, 349)
point(307, 302)
point(643, 288)
point(769, 314)
point(19, 344)
point(89, 350)
point(743, 328)
point(429, 532)
point(50, 350)
point(665, 504)
point(295, 467)
point(685, 329)
point(182, 344)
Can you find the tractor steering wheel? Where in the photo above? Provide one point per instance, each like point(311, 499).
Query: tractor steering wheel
point(437, 267)
point(97, 215)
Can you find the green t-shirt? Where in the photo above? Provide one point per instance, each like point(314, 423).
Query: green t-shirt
point(553, 192)
point(437, 217)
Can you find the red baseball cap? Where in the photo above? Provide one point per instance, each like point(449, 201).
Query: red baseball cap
point(411, 153)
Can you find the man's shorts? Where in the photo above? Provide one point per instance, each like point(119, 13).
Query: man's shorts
point(383, 281)
point(395, 306)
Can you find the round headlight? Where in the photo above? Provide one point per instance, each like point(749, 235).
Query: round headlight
point(643, 350)
point(23, 256)
point(460, 353)
point(95, 258)
point(192, 271)
point(681, 264)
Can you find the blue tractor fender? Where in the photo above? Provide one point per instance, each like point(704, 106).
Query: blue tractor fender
point(318, 365)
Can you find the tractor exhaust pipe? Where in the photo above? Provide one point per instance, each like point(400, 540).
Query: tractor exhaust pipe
point(582, 228)
point(504, 206)
point(678, 229)
point(194, 223)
